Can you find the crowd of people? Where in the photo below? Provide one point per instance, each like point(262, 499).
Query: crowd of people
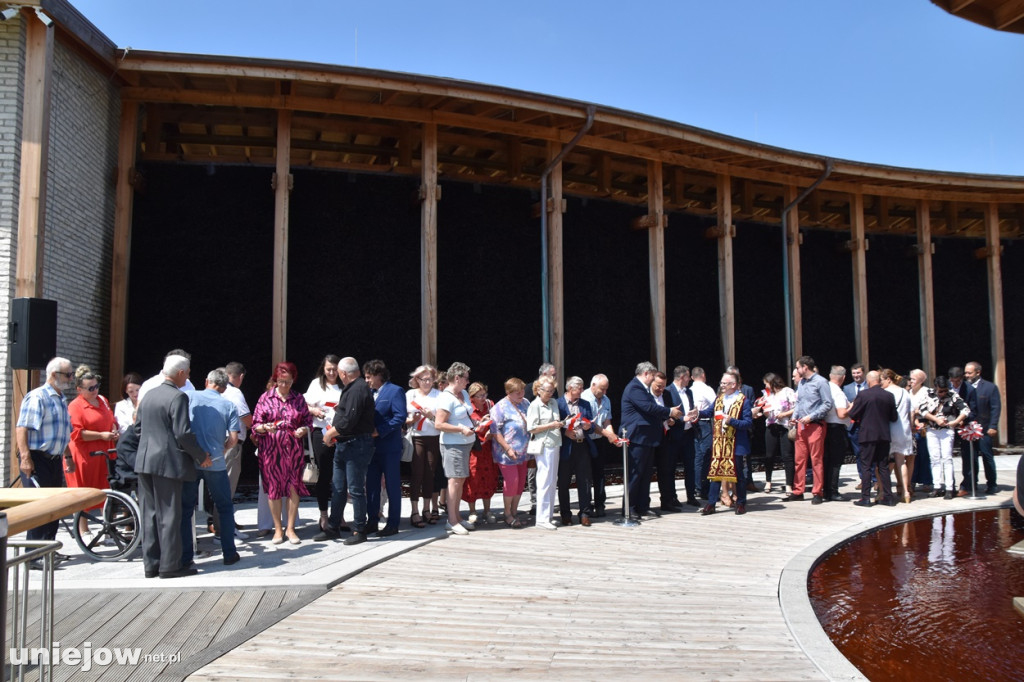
point(355, 427)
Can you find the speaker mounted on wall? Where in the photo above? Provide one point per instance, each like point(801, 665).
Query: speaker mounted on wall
point(33, 332)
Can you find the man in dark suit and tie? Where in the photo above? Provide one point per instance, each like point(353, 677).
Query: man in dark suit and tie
point(642, 418)
point(989, 408)
point(167, 456)
point(388, 417)
point(681, 444)
point(874, 409)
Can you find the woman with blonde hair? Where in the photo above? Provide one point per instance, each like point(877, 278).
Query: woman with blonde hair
point(455, 423)
point(420, 404)
point(901, 444)
point(544, 426)
point(508, 424)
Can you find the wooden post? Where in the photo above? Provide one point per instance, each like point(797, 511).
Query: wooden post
point(793, 247)
point(926, 290)
point(34, 166)
point(556, 276)
point(995, 310)
point(428, 245)
point(121, 259)
point(858, 248)
point(656, 262)
point(282, 188)
point(726, 298)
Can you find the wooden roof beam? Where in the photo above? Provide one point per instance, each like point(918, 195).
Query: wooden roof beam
point(1007, 13)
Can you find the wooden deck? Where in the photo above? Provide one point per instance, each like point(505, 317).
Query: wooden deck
point(682, 597)
point(174, 629)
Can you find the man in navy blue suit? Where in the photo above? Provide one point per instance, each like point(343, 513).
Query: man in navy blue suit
point(990, 406)
point(643, 418)
point(576, 452)
point(388, 417)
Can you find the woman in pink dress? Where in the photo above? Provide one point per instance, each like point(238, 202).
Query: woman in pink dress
point(93, 428)
point(280, 424)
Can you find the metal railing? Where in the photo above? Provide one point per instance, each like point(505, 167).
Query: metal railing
point(14, 583)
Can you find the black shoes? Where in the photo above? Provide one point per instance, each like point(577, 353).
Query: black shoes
point(863, 502)
point(180, 573)
point(387, 531)
point(356, 538)
point(816, 499)
point(326, 534)
point(836, 498)
point(231, 560)
point(794, 498)
point(693, 502)
point(672, 507)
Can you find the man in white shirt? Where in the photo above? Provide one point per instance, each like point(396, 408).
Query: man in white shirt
point(603, 436)
point(704, 401)
point(836, 440)
point(233, 457)
point(158, 378)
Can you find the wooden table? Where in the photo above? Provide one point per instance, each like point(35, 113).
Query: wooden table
point(30, 507)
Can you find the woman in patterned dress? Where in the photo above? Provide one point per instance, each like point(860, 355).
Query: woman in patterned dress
point(483, 472)
point(280, 423)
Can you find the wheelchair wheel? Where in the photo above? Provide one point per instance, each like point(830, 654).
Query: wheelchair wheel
point(115, 528)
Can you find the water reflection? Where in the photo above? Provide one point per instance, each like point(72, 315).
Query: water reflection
point(928, 599)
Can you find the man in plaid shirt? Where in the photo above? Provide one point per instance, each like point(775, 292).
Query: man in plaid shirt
point(43, 433)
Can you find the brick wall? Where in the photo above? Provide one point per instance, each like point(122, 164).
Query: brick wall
point(12, 69)
point(84, 118)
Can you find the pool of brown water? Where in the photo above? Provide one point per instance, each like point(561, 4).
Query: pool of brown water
point(930, 599)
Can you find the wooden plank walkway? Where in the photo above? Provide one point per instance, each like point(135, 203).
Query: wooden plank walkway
point(681, 597)
point(171, 628)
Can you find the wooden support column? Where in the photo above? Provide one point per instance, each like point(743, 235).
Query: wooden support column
point(126, 149)
point(282, 189)
point(34, 165)
point(858, 249)
point(556, 277)
point(926, 290)
point(793, 249)
point(726, 294)
point(656, 262)
point(995, 310)
point(428, 245)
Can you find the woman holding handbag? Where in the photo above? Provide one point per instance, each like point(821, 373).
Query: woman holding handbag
point(508, 424)
point(280, 423)
point(321, 399)
point(544, 426)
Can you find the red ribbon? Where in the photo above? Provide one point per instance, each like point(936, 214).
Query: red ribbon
point(419, 424)
point(970, 431)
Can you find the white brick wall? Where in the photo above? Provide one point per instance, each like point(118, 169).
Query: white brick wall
point(84, 118)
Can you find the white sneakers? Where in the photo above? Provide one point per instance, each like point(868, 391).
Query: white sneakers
point(546, 525)
point(457, 529)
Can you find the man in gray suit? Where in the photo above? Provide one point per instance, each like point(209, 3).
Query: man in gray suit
point(168, 455)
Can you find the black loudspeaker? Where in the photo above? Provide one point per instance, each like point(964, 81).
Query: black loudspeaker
point(33, 332)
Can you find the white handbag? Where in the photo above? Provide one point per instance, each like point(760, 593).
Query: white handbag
point(310, 472)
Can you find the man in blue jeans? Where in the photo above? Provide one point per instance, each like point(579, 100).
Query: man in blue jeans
point(216, 426)
point(353, 430)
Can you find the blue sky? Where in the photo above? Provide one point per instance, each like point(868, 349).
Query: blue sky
point(896, 82)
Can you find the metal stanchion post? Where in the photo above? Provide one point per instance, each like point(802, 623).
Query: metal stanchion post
point(974, 478)
point(625, 521)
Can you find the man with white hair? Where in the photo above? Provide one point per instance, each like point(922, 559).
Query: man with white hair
point(167, 457)
point(576, 452)
point(158, 378)
point(42, 434)
point(602, 436)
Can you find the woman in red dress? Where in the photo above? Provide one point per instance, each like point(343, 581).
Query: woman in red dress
point(93, 428)
point(483, 472)
point(280, 423)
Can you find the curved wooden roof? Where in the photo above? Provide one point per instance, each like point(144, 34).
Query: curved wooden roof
point(212, 109)
point(1002, 15)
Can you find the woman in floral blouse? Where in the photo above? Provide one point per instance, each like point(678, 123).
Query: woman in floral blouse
point(508, 425)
